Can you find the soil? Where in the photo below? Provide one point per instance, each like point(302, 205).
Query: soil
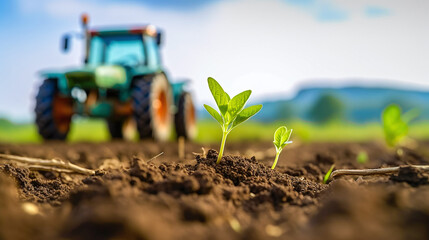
point(135, 196)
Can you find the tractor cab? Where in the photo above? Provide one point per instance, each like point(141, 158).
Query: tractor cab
point(127, 47)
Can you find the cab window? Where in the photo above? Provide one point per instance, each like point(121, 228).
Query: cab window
point(152, 51)
point(117, 50)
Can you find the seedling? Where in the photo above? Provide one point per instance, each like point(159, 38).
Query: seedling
point(232, 111)
point(362, 157)
point(328, 174)
point(281, 139)
point(395, 126)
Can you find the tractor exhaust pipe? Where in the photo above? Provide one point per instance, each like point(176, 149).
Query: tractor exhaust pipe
point(84, 18)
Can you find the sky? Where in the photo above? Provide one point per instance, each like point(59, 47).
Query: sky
point(273, 47)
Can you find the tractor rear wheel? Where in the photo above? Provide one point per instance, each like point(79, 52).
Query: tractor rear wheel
point(152, 101)
point(185, 118)
point(53, 111)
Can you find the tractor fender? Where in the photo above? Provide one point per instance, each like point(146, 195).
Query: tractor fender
point(178, 88)
point(60, 77)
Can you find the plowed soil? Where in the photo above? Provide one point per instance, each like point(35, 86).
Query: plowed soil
point(135, 196)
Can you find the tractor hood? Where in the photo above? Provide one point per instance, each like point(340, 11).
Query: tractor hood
point(89, 77)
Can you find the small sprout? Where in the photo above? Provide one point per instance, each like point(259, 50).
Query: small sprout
point(281, 139)
point(328, 174)
point(395, 125)
point(235, 224)
point(30, 208)
point(232, 111)
point(273, 230)
point(362, 157)
point(400, 152)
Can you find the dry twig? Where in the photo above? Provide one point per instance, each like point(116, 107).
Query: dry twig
point(363, 172)
point(203, 154)
point(181, 148)
point(57, 165)
point(155, 157)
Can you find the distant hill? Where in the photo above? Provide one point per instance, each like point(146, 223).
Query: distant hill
point(360, 104)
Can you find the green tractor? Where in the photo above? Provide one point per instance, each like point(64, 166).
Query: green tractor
point(123, 81)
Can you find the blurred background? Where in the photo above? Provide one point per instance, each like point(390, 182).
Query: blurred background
point(326, 68)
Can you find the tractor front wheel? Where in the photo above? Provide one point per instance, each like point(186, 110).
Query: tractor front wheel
point(152, 101)
point(122, 128)
point(53, 111)
point(115, 128)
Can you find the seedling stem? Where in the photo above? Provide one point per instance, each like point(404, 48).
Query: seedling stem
point(275, 160)
point(222, 146)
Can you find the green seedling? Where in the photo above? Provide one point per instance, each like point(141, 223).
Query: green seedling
point(231, 111)
point(362, 157)
point(328, 174)
point(281, 139)
point(395, 125)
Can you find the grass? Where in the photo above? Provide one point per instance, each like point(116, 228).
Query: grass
point(94, 130)
point(90, 130)
point(18, 133)
point(304, 131)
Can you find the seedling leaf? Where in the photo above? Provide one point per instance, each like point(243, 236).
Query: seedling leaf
point(214, 114)
point(245, 114)
point(278, 135)
point(285, 138)
point(328, 174)
point(410, 115)
point(237, 103)
point(220, 96)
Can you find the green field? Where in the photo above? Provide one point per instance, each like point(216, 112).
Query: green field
point(209, 131)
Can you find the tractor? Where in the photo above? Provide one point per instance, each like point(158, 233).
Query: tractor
point(122, 81)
